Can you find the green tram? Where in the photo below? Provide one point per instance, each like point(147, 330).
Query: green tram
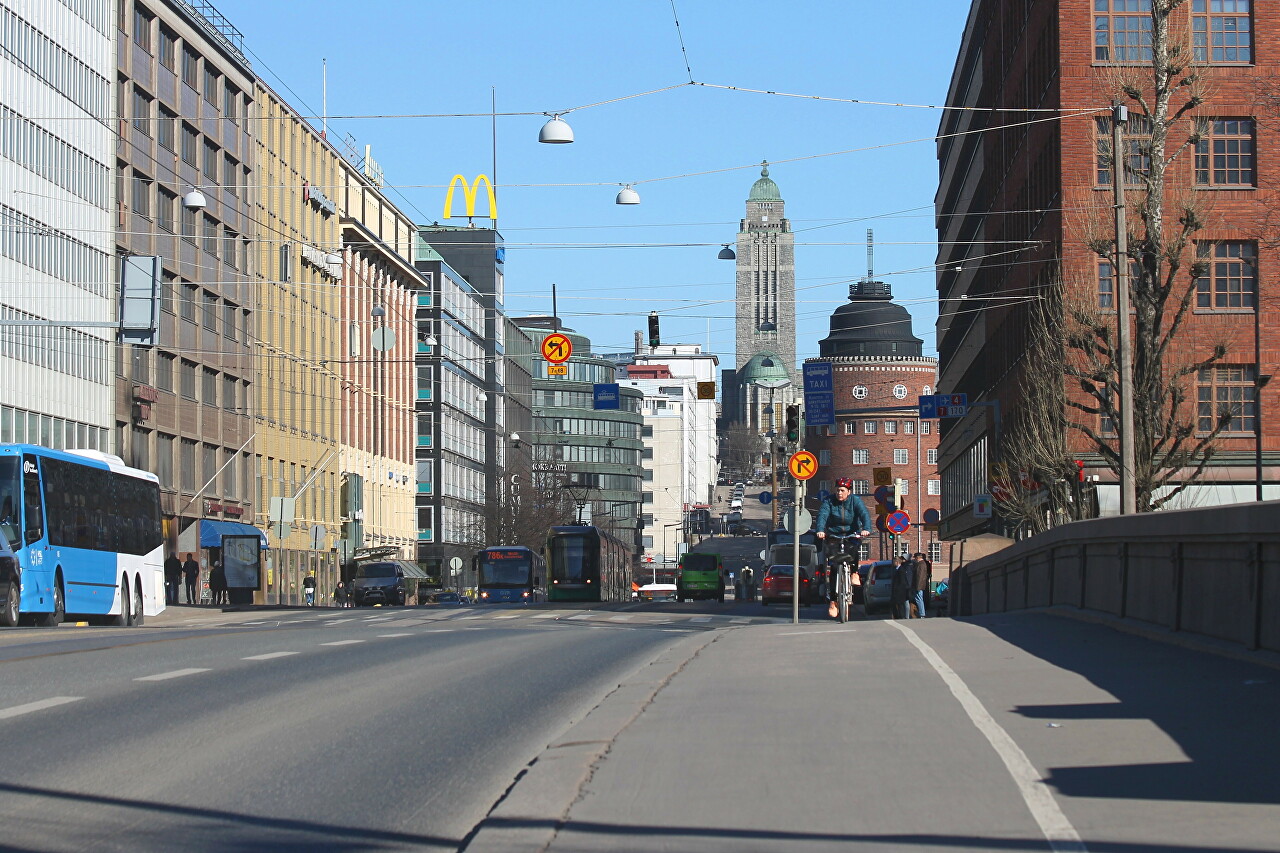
point(587, 564)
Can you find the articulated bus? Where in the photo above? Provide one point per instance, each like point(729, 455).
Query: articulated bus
point(510, 573)
point(587, 564)
point(87, 534)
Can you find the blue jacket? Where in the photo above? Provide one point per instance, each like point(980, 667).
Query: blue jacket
point(842, 517)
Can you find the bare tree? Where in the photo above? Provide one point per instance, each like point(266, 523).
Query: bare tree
point(740, 450)
point(1165, 212)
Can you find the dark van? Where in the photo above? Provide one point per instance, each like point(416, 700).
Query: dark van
point(378, 583)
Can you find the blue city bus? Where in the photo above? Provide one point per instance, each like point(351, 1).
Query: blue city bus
point(587, 564)
point(510, 573)
point(87, 533)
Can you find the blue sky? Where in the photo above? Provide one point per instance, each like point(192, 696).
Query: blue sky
point(613, 264)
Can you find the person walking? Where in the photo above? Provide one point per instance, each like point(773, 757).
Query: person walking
point(748, 583)
point(191, 578)
point(340, 594)
point(904, 583)
point(921, 577)
point(172, 578)
point(925, 569)
point(309, 589)
point(218, 582)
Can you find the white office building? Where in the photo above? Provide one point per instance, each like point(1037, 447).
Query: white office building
point(57, 268)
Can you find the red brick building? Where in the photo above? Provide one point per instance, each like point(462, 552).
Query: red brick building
point(878, 373)
point(1025, 190)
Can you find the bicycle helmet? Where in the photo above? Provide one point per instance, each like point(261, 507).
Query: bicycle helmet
point(844, 483)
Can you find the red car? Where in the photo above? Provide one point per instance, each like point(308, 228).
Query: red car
point(777, 586)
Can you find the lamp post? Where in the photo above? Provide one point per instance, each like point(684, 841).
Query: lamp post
point(773, 385)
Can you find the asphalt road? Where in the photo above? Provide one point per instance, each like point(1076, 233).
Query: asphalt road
point(339, 730)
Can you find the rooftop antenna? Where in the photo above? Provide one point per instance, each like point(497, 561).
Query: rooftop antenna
point(871, 256)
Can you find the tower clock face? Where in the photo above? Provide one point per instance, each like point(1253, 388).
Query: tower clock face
point(859, 392)
point(900, 391)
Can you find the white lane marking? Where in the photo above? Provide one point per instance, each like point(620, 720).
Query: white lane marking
point(811, 633)
point(549, 615)
point(620, 618)
point(177, 673)
point(441, 630)
point(253, 623)
point(339, 622)
point(741, 621)
point(269, 656)
point(342, 643)
point(1057, 830)
point(700, 619)
point(52, 702)
point(512, 616)
point(389, 636)
point(582, 616)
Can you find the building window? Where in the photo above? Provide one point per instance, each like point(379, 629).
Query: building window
point(165, 203)
point(210, 310)
point(1228, 391)
point(859, 392)
point(824, 457)
point(190, 145)
point(909, 427)
point(187, 465)
point(1122, 30)
point(231, 103)
point(168, 48)
point(1107, 281)
point(229, 393)
point(1137, 149)
point(210, 84)
point(209, 391)
point(142, 27)
point(935, 552)
point(869, 427)
point(900, 456)
point(141, 196)
point(850, 427)
point(1221, 31)
point(861, 487)
point(935, 487)
point(1231, 274)
point(211, 236)
point(926, 427)
point(187, 379)
point(931, 456)
point(165, 129)
point(903, 488)
point(890, 427)
point(229, 321)
point(212, 160)
point(190, 66)
point(141, 112)
point(1225, 153)
point(188, 219)
point(900, 392)
point(646, 497)
point(164, 372)
point(861, 457)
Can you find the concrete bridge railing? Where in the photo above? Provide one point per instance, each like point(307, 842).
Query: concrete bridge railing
point(1211, 572)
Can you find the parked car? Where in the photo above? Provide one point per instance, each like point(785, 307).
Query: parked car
point(877, 585)
point(777, 586)
point(445, 599)
point(378, 583)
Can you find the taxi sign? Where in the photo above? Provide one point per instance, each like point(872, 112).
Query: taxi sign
point(802, 465)
point(556, 348)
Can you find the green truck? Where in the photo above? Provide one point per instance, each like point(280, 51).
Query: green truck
point(700, 575)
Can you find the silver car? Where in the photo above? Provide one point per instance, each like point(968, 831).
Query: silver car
point(877, 585)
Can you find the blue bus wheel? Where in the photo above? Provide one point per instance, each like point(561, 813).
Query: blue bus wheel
point(54, 619)
point(10, 615)
point(139, 607)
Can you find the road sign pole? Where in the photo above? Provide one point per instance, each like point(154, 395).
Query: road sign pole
point(797, 501)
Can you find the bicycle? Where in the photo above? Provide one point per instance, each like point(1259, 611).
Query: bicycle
point(840, 565)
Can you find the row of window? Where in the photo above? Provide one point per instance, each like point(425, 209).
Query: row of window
point(97, 13)
point(197, 463)
point(207, 80)
point(34, 244)
point(1229, 279)
point(1221, 31)
point(1225, 153)
point(193, 382)
point(863, 487)
point(59, 348)
point(19, 426)
point(874, 428)
point(901, 456)
point(39, 151)
point(55, 65)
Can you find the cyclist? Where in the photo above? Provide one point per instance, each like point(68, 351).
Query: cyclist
point(842, 514)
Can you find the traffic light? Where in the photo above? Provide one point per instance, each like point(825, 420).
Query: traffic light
point(654, 337)
point(793, 423)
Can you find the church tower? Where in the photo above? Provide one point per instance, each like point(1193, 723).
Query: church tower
point(766, 280)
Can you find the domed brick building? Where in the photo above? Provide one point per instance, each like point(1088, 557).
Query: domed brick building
point(879, 371)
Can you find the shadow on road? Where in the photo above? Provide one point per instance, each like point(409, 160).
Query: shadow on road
point(1221, 712)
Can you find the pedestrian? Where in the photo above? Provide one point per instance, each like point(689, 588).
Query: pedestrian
point(218, 582)
point(749, 583)
point(172, 578)
point(309, 588)
point(923, 573)
point(904, 582)
point(191, 577)
point(340, 594)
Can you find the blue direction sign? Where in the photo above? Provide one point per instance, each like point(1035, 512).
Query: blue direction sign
point(928, 407)
point(817, 378)
point(766, 498)
point(819, 409)
point(944, 406)
point(606, 395)
point(898, 522)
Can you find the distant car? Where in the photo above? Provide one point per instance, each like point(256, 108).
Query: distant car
point(877, 585)
point(777, 586)
point(445, 599)
point(379, 582)
point(657, 592)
